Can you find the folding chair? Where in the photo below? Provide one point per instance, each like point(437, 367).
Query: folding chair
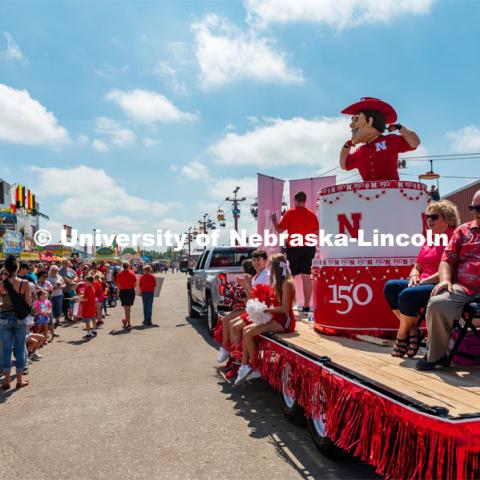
point(465, 324)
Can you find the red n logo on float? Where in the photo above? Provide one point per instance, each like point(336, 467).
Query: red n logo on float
point(344, 224)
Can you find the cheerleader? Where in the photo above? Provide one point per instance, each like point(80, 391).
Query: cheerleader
point(257, 274)
point(277, 318)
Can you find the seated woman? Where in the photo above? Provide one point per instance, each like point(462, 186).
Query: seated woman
point(282, 297)
point(407, 297)
point(237, 295)
point(232, 323)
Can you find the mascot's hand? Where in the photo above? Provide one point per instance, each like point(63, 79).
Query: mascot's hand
point(393, 127)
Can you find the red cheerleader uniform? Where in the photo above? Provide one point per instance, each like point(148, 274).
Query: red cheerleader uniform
point(287, 321)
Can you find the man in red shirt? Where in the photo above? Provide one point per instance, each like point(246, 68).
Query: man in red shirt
point(147, 284)
point(126, 283)
point(300, 221)
point(459, 283)
point(377, 157)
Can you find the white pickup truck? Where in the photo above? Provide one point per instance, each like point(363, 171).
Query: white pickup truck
point(215, 267)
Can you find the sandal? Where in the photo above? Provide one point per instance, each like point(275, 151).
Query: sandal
point(6, 386)
point(416, 341)
point(23, 384)
point(400, 347)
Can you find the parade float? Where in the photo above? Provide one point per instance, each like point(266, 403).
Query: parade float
point(406, 423)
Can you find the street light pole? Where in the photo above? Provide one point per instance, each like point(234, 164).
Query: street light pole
point(235, 208)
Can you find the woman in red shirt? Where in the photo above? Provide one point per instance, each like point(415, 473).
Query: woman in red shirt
point(126, 283)
point(147, 284)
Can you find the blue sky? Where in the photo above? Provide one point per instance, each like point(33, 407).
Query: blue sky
point(141, 115)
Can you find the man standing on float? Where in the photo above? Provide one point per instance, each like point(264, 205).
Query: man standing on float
point(377, 157)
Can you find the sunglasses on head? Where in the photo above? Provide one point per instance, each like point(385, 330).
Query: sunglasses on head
point(433, 216)
point(474, 208)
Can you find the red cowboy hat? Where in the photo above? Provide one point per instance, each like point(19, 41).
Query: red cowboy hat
point(371, 103)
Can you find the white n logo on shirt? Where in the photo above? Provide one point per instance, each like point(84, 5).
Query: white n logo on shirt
point(381, 146)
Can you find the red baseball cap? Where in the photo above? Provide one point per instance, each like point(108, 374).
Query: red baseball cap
point(371, 103)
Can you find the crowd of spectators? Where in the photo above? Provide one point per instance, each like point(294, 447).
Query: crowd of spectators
point(38, 297)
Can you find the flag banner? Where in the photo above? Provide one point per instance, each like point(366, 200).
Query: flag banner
point(270, 196)
point(311, 186)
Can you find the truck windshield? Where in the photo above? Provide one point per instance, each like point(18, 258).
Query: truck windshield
point(229, 258)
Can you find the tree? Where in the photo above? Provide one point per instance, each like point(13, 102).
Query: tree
point(129, 250)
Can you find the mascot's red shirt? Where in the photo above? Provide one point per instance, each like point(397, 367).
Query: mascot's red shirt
point(378, 160)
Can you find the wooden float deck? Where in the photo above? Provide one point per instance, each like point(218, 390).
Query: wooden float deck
point(456, 389)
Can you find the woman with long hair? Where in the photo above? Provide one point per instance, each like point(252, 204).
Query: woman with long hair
point(13, 330)
point(282, 297)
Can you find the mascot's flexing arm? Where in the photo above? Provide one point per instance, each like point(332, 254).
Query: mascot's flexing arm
point(377, 157)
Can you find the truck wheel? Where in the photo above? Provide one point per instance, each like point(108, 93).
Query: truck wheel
point(212, 317)
point(192, 313)
point(290, 407)
point(318, 431)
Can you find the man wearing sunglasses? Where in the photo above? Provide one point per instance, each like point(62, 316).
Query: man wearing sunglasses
point(459, 284)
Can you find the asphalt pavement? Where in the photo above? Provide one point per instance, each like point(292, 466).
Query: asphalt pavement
point(150, 404)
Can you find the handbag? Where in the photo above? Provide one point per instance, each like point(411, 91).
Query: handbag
point(22, 309)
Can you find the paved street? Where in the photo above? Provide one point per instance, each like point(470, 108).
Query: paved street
point(150, 404)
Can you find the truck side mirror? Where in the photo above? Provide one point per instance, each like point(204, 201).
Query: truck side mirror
point(190, 271)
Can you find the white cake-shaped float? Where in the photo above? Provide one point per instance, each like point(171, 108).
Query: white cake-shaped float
point(349, 278)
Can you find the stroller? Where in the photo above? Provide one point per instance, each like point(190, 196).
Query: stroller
point(112, 296)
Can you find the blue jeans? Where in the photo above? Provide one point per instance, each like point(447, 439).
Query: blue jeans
point(57, 303)
point(13, 332)
point(409, 300)
point(147, 298)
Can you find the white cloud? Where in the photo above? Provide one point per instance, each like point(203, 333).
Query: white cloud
point(223, 187)
point(339, 14)
point(76, 187)
point(12, 51)
point(108, 71)
point(224, 54)
point(195, 171)
point(465, 140)
point(119, 136)
point(282, 143)
point(150, 142)
point(173, 168)
point(166, 72)
point(99, 146)
point(146, 106)
point(26, 121)
point(83, 139)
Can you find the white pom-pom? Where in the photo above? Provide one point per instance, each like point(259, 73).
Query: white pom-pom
point(256, 312)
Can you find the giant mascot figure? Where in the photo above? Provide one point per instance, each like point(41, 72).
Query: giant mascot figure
point(377, 156)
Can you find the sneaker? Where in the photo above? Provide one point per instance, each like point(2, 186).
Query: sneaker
point(425, 366)
point(36, 356)
point(254, 374)
point(223, 355)
point(94, 333)
point(243, 373)
point(87, 336)
point(306, 309)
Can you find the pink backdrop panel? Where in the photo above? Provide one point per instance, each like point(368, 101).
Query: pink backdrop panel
point(270, 195)
point(311, 186)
